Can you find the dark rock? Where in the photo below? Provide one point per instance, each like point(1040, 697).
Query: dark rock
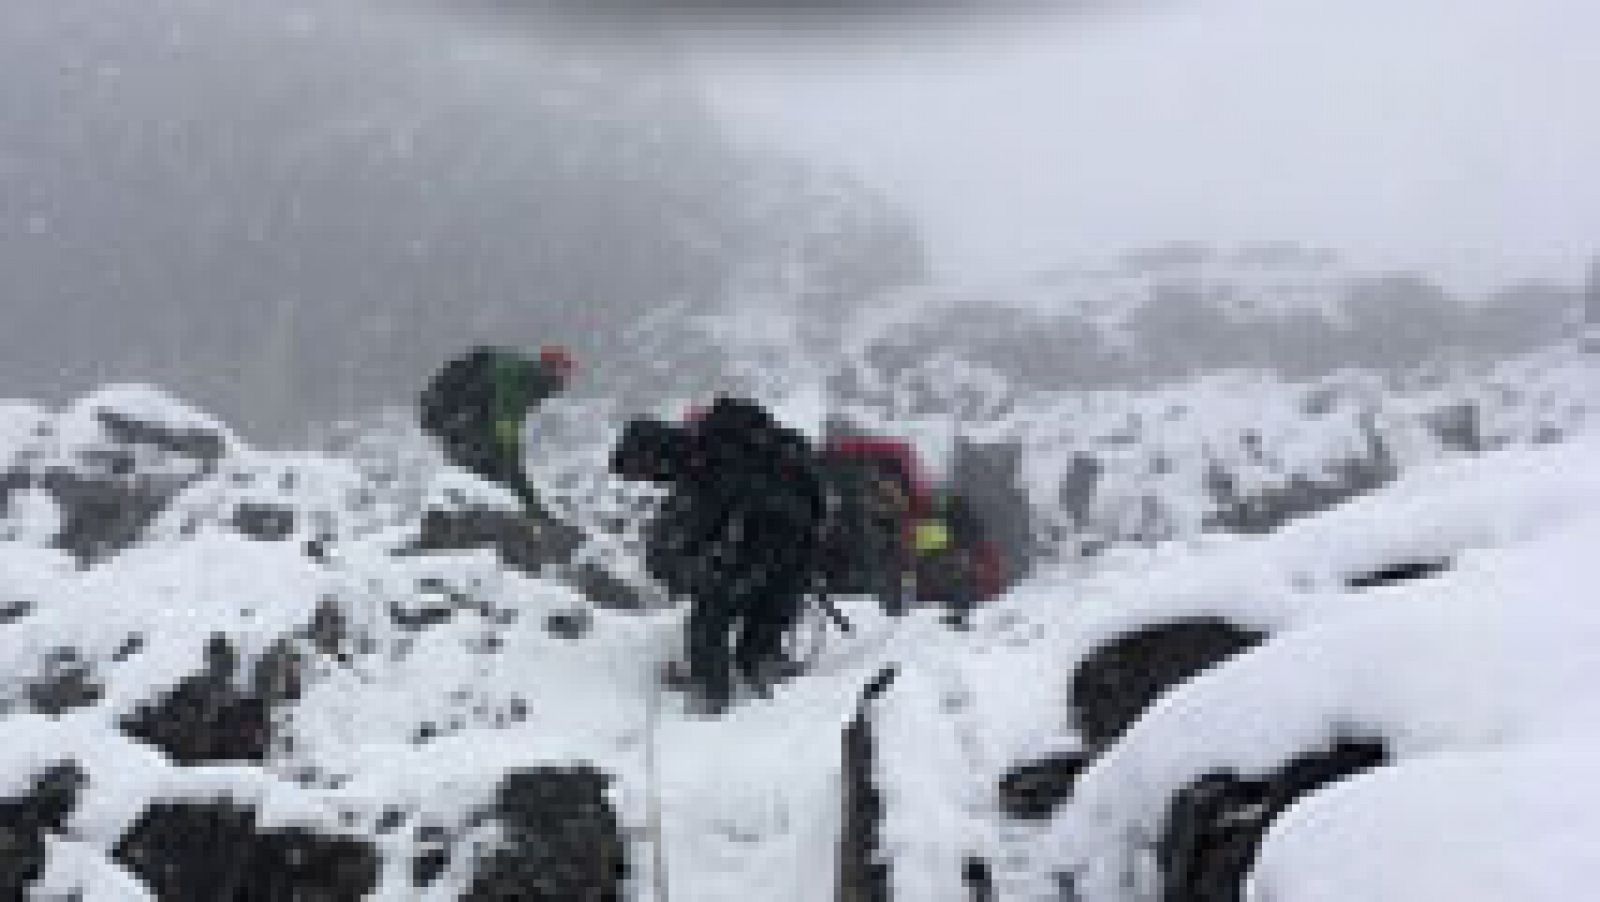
point(1405, 571)
point(863, 870)
point(328, 630)
point(317, 550)
point(67, 683)
point(988, 477)
point(977, 879)
point(215, 852)
point(517, 709)
point(102, 516)
point(524, 542)
point(264, 522)
point(129, 647)
point(12, 611)
point(1457, 427)
point(196, 444)
point(427, 866)
point(1115, 684)
point(599, 586)
point(1079, 485)
point(11, 481)
point(389, 821)
point(432, 834)
point(206, 719)
point(422, 616)
point(25, 821)
point(572, 624)
point(1033, 790)
point(560, 840)
point(1214, 826)
point(109, 509)
point(278, 675)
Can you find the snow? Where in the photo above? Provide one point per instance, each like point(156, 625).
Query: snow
point(1477, 679)
point(1499, 647)
point(76, 868)
point(174, 598)
point(1155, 449)
point(1516, 821)
point(79, 429)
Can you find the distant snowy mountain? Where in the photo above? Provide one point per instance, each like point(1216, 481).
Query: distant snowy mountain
point(1163, 315)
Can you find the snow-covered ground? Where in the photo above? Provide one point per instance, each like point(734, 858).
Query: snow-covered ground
point(1496, 656)
point(402, 689)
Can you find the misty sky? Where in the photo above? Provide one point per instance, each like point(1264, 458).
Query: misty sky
point(1459, 136)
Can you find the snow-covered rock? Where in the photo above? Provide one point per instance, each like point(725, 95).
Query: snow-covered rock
point(273, 659)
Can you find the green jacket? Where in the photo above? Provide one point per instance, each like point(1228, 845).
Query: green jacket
point(476, 406)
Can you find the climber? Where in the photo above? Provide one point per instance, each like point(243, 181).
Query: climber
point(477, 404)
point(737, 535)
point(879, 495)
point(957, 565)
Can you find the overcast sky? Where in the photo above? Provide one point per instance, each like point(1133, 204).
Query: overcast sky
point(1462, 136)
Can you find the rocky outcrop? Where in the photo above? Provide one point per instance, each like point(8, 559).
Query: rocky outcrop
point(1114, 684)
point(1214, 826)
point(528, 543)
point(216, 852)
point(560, 840)
point(101, 516)
point(1034, 789)
point(67, 682)
point(863, 874)
point(26, 821)
point(1299, 495)
point(264, 522)
point(988, 477)
point(1458, 427)
point(210, 718)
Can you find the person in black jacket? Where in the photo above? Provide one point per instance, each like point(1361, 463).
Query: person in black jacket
point(476, 405)
point(737, 535)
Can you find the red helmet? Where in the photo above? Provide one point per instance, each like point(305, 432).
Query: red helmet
point(557, 359)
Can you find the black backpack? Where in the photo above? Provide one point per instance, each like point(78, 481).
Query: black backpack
point(460, 396)
point(861, 548)
point(649, 450)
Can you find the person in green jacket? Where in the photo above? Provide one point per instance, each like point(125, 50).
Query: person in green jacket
point(477, 404)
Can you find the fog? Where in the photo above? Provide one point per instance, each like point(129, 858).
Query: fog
point(293, 211)
point(1453, 136)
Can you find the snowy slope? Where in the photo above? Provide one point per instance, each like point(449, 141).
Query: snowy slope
point(1497, 653)
point(386, 697)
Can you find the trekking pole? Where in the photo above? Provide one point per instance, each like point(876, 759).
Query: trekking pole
point(839, 620)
